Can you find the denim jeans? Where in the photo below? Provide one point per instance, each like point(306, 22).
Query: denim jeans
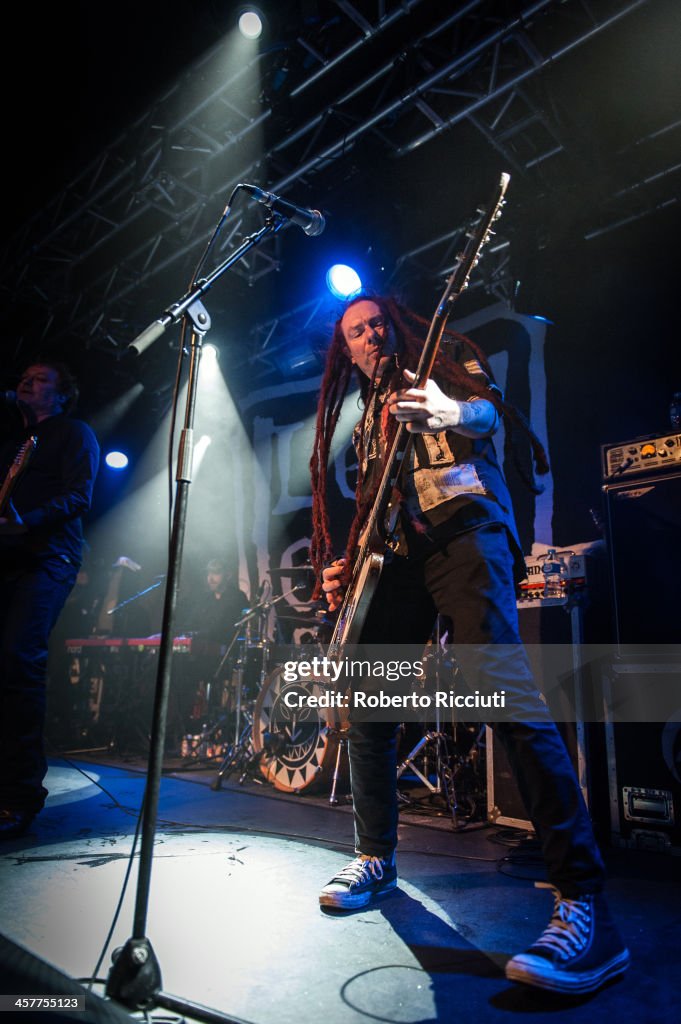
point(470, 580)
point(30, 603)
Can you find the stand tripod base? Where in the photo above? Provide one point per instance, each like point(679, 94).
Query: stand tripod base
point(135, 978)
point(135, 982)
point(240, 755)
point(455, 775)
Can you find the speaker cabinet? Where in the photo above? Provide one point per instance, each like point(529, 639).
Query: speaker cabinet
point(504, 804)
point(538, 625)
point(644, 758)
point(643, 525)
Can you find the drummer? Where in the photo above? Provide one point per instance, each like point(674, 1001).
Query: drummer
point(209, 614)
point(212, 613)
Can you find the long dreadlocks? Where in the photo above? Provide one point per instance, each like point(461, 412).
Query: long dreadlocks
point(408, 328)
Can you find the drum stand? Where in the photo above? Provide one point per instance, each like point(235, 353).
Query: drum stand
point(240, 753)
point(433, 749)
point(202, 740)
point(433, 744)
point(334, 800)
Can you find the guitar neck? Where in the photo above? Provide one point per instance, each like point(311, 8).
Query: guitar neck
point(402, 442)
point(15, 471)
point(5, 494)
point(456, 283)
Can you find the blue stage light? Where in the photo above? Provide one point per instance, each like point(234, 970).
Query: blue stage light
point(116, 460)
point(342, 281)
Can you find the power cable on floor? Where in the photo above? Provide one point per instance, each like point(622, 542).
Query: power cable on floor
point(251, 830)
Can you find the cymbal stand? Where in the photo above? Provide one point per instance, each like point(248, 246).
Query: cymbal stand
point(239, 738)
point(433, 744)
point(240, 753)
point(202, 740)
point(334, 799)
point(237, 750)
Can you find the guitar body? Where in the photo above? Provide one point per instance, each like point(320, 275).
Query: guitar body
point(358, 597)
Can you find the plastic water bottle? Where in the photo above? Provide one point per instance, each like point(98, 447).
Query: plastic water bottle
point(555, 575)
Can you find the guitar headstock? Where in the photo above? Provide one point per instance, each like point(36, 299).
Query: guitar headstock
point(23, 455)
point(477, 235)
point(481, 231)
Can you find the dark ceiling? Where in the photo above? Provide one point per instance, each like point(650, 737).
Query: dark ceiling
point(128, 125)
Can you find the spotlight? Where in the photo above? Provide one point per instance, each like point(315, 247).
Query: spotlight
point(250, 24)
point(116, 460)
point(210, 352)
point(342, 281)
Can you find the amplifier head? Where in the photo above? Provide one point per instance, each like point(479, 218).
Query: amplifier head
point(642, 455)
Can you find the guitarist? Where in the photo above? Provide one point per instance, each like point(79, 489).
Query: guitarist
point(453, 552)
point(41, 542)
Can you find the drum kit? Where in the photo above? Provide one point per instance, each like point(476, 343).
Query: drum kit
point(246, 733)
point(255, 734)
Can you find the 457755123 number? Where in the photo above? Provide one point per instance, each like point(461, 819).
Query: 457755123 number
point(12, 1002)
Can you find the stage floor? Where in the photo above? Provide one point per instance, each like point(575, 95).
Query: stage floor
point(234, 921)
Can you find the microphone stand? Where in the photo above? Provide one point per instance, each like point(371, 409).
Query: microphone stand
point(135, 597)
point(190, 305)
point(135, 977)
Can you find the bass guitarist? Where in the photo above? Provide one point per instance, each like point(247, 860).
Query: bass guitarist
point(454, 553)
point(41, 542)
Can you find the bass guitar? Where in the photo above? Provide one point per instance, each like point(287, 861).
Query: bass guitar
point(371, 553)
point(14, 472)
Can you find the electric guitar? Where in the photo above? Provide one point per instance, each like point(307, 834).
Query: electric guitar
point(370, 558)
point(14, 472)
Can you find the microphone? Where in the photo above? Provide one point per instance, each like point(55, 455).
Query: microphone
point(311, 221)
point(8, 396)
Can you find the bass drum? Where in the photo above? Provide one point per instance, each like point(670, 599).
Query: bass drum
point(296, 749)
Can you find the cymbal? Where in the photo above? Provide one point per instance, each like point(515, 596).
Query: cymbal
point(311, 617)
point(299, 618)
point(294, 570)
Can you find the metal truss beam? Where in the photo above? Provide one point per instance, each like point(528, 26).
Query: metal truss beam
point(144, 207)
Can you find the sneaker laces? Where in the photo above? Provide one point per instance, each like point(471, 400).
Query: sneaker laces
point(567, 933)
point(359, 869)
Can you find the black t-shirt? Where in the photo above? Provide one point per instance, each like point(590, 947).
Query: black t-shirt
point(212, 617)
point(54, 491)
